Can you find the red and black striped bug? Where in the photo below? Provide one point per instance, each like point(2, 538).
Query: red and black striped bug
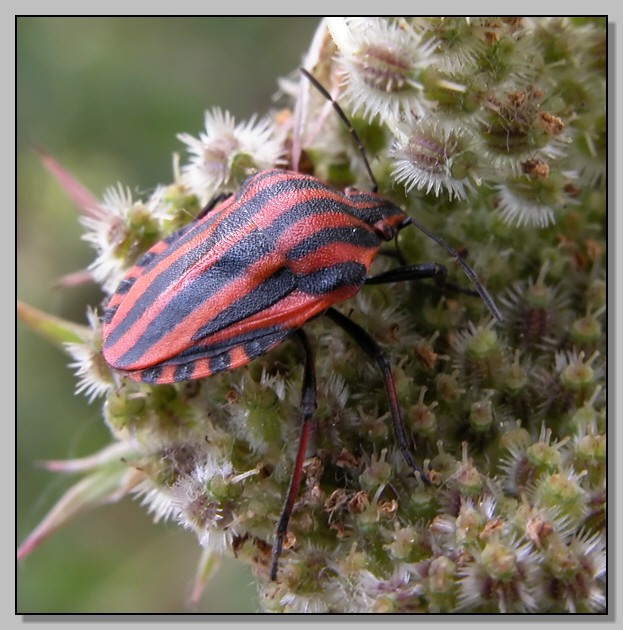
point(250, 272)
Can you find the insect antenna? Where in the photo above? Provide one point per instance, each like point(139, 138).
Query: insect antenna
point(346, 121)
point(469, 272)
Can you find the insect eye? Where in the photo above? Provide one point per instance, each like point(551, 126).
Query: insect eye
point(385, 230)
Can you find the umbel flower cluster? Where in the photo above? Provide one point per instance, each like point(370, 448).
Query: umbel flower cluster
point(492, 133)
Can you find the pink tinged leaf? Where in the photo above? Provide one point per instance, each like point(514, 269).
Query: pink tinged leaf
point(81, 196)
point(77, 278)
point(206, 569)
point(54, 329)
point(109, 455)
point(102, 486)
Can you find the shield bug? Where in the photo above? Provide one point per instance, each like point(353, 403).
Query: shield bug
point(250, 272)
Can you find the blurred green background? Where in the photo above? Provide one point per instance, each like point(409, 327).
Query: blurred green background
point(106, 97)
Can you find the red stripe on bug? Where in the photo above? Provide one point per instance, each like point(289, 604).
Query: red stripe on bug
point(187, 327)
point(333, 254)
point(181, 333)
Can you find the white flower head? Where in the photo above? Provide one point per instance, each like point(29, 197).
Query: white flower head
point(519, 210)
point(433, 157)
point(157, 500)
point(501, 576)
point(514, 129)
point(590, 550)
point(459, 40)
point(120, 232)
point(377, 593)
point(533, 200)
point(226, 153)
point(93, 375)
point(382, 61)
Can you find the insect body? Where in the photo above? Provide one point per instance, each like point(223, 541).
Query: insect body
point(251, 272)
point(234, 284)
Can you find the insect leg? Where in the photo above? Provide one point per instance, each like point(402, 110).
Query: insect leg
point(374, 351)
point(412, 272)
point(308, 406)
point(420, 272)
